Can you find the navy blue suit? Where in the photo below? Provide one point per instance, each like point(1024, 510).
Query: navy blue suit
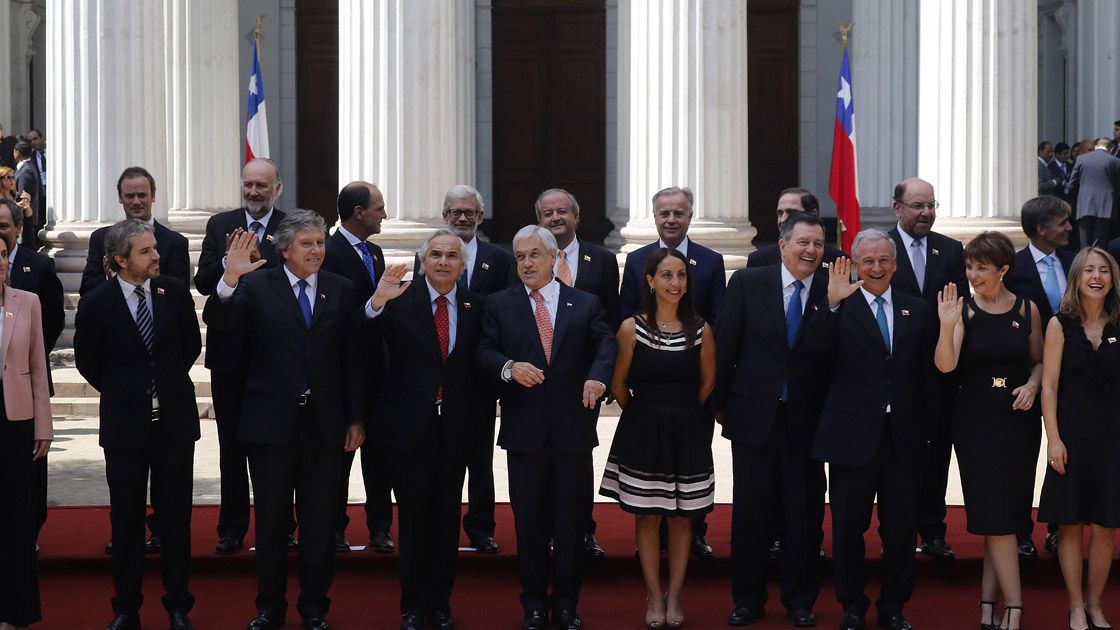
point(706, 284)
point(174, 261)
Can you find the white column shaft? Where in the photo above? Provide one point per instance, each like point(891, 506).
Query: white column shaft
point(1097, 67)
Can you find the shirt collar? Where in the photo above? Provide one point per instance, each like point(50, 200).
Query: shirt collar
point(787, 278)
point(572, 250)
point(550, 291)
point(350, 238)
point(870, 297)
point(312, 280)
point(472, 248)
point(20, 164)
point(12, 255)
point(908, 240)
point(127, 288)
point(433, 293)
point(1037, 254)
point(682, 248)
point(264, 220)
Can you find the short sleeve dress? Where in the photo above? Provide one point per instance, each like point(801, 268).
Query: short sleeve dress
point(660, 461)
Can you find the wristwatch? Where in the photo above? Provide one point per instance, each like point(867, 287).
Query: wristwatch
point(507, 371)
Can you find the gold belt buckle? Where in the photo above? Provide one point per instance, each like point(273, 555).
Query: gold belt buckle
point(999, 381)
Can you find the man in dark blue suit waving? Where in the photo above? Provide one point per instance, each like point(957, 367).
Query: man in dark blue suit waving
point(554, 353)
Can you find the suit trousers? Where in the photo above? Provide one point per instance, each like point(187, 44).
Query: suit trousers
point(550, 492)
point(852, 493)
point(309, 467)
point(19, 580)
point(776, 473)
point(934, 477)
point(39, 492)
point(479, 519)
point(429, 484)
point(377, 475)
point(233, 516)
point(171, 464)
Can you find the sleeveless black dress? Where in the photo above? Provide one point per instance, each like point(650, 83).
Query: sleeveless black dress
point(1089, 425)
point(997, 446)
point(661, 457)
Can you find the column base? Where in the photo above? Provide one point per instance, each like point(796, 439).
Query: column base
point(964, 229)
point(730, 237)
point(68, 244)
point(400, 239)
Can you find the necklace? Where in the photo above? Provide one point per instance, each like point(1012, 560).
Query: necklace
point(666, 326)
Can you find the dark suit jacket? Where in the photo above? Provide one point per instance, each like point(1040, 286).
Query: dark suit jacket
point(1023, 279)
point(210, 268)
point(865, 378)
point(111, 356)
point(944, 264)
point(174, 261)
point(34, 272)
point(494, 270)
point(772, 255)
point(407, 393)
point(27, 180)
point(753, 360)
point(343, 260)
point(7, 143)
point(1094, 184)
point(295, 357)
point(706, 282)
point(583, 348)
point(597, 274)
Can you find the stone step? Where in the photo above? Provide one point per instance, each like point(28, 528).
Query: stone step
point(70, 300)
point(68, 383)
point(87, 406)
point(63, 355)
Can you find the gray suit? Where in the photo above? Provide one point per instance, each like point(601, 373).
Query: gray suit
point(1094, 186)
point(1048, 182)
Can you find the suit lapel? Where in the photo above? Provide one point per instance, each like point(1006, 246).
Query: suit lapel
point(583, 269)
point(816, 293)
point(563, 316)
point(481, 266)
point(12, 305)
point(866, 317)
point(522, 302)
point(903, 261)
point(773, 297)
point(279, 281)
point(161, 315)
point(125, 316)
point(420, 311)
point(466, 318)
point(15, 270)
point(901, 324)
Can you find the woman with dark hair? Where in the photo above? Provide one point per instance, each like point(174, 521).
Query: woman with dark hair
point(995, 337)
point(1080, 395)
point(660, 464)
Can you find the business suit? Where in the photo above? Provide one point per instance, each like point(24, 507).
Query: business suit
point(706, 281)
point(494, 269)
point(1049, 182)
point(1094, 188)
point(427, 405)
point(292, 445)
point(26, 417)
point(343, 259)
point(1023, 279)
point(111, 355)
point(174, 261)
point(944, 264)
point(772, 255)
point(548, 434)
point(770, 437)
point(871, 450)
point(228, 376)
point(597, 274)
point(27, 181)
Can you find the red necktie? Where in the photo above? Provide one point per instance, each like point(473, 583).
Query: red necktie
point(443, 331)
point(544, 324)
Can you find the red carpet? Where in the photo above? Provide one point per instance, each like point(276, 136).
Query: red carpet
point(76, 583)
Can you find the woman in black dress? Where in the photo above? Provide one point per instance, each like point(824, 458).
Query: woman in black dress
point(995, 337)
point(660, 464)
point(1080, 396)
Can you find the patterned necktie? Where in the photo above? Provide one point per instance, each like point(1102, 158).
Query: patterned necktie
point(304, 302)
point(367, 260)
point(918, 261)
point(443, 331)
point(563, 271)
point(544, 324)
point(143, 318)
point(881, 319)
point(793, 323)
point(256, 227)
point(1050, 284)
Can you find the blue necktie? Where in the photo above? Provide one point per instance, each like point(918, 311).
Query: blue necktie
point(256, 227)
point(881, 319)
point(367, 260)
point(793, 323)
point(304, 302)
point(1050, 285)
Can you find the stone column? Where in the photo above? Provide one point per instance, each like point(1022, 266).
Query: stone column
point(684, 66)
point(978, 110)
point(203, 121)
point(106, 110)
point(406, 108)
point(15, 59)
point(1097, 97)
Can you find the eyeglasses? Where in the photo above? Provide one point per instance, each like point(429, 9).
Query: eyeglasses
point(11, 177)
point(918, 206)
point(456, 213)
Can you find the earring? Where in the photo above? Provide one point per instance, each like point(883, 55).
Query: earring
point(651, 289)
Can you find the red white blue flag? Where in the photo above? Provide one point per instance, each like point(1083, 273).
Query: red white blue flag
point(256, 122)
point(842, 182)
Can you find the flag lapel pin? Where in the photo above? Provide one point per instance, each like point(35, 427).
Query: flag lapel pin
point(567, 303)
point(322, 296)
point(485, 266)
point(27, 270)
point(1014, 324)
point(268, 237)
point(692, 262)
point(934, 252)
point(905, 313)
point(1112, 340)
point(587, 258)
point(159, 291)
point(467, 305)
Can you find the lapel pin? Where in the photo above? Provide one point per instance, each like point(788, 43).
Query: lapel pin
point(1112, 340)
point(27, 270)
point(814, 307)
point(935, 252)
point(467, 305)
point(322, 296)
point(905, 313)
point(268, 237)
point(159, 291)
point(1014, 324)
point(567, 303)
point(587, 258)
point(485, 266)
point(692, 262)
point(9, 314)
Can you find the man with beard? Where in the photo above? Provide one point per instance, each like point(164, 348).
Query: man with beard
point(260, 188)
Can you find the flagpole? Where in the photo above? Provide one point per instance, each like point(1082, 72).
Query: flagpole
point(844, 30)
point(257, 34)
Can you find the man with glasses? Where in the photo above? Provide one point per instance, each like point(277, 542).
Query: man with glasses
point(927, 261)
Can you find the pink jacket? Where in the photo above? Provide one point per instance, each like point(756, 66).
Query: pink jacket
point(26, 395)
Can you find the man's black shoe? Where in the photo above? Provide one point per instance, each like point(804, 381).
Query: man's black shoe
point(293, 544)
point(744, 615)
point(893, 622)
point(852, 621)
point(228, 544)
point(124, 622)
point(534, 620)
point(700, 548)
point(266, 621)
point(1050, 543)
point(152, 546)
point(341, 545)
point(315, 623)
point(592, 548)
point(179, 621)
point(567, 620)
point(410, 621)
point(775, 550)
point(802, 618)
point(109, 548)
point(1027, 550)
point(485, 545)
point(938, 549)
point(381, 542)
point(442, 620)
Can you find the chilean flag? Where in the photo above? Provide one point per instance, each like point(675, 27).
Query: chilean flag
point(256, 122)
point(842, 183)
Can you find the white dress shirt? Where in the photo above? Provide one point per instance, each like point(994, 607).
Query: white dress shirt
point(787, 289)
point(551, 294)
point(472, 255)
point(682, 248)
point(133, 302)
point(888, 306)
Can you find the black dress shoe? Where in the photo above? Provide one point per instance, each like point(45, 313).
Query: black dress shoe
point(852, 621)
point(534, 620)
point(266, 621)
point(775, 551)
point(1050, 543)
point(293, 544)
point(567, 620)
point(341, 545)
point(1027, 550)
point(381, 542)
point(124, 622)
point(700, 548)
point(592, 548)
point(485, 545)
point(442, 620)
point(938, 549)
point(179, 621)
point(410, 621)
point(315, 623)
point(802, 618)
point(893, 622)
point(744, 615)
point(152, 546)
point(109, 548)
point(228, 544)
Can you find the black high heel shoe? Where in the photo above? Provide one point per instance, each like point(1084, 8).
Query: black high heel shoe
point(1007, 616)
point(991, 625)
point(1093, 626)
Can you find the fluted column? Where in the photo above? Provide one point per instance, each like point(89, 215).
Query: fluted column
point(406, 107)
point(684, 64)
point(105, 111)
point(978, 109)
point(1097, 97)
point(25, 19)
point(203, 121)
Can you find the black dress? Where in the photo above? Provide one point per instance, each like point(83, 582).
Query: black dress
point(661, 457)
point(997, 446)
point(1089, 425)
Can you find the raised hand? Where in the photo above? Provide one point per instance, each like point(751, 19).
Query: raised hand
point(24, 202)
point(840, 284)
point(239, 257)
point(949, 305)
point(391, 285)
point(255, 255)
